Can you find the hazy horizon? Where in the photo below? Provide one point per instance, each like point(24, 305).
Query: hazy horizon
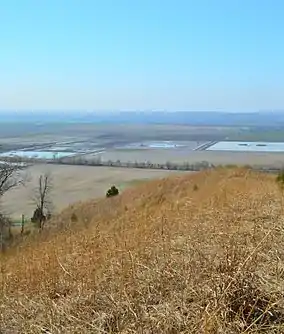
point(125, 55)
point(145, 111)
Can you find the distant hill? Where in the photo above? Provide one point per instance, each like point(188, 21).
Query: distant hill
point(190, 254)
point(187, 117)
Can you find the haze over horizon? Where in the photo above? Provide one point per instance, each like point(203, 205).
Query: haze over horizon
point(156, 55)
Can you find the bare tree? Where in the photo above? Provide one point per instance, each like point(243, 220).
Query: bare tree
point(42, 199)
point(11, 176)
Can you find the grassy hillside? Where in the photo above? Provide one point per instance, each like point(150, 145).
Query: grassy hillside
point(200, 253)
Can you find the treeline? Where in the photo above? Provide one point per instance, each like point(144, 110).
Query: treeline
point(185, 166)
point(169, 165)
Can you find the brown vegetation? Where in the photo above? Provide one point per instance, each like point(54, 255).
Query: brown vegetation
point(200, 253)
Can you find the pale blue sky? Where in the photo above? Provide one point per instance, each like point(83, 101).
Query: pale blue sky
point(142, 54)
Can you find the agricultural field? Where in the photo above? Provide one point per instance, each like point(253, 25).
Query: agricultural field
point(157, 144)
point(72, 184)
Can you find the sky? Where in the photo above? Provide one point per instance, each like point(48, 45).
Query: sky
point(142, 54)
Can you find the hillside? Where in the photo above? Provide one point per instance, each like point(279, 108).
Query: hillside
point(200, 253)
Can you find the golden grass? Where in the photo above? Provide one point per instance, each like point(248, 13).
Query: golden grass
point(166, 257)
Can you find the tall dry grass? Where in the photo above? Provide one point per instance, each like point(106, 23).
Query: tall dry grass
point(200, 253)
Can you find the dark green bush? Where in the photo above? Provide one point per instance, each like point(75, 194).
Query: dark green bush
point(113, 191)
point(38, 217)
point(74, 218)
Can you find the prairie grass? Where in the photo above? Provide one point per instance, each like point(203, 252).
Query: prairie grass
point(160, 258)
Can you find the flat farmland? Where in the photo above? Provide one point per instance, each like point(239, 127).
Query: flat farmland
point(128, 143)
point(180, 156)
point(72, 184)
point(106, 134)
point(79, 183)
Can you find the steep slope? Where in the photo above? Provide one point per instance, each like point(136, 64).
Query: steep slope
point(200, 253)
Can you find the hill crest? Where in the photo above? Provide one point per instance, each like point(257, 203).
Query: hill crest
point(196, 253)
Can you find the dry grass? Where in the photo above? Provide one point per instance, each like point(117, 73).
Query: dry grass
point(71, 184)
point(166, 257)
